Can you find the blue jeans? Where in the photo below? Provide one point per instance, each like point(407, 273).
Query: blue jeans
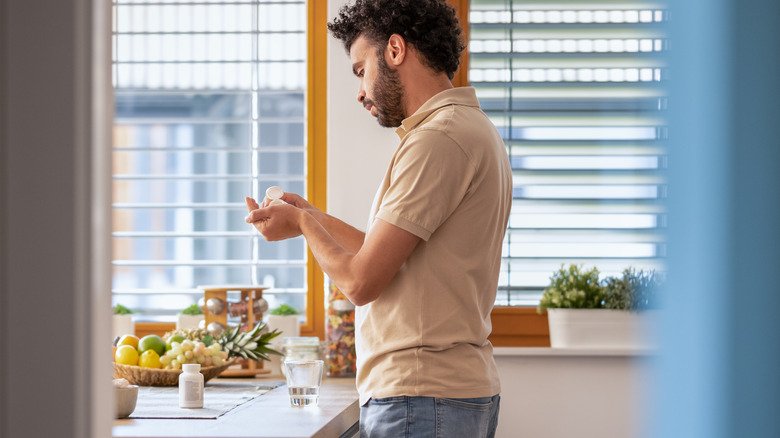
point(428, 417)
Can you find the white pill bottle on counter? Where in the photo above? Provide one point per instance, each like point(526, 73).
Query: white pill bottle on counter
point(190, 386)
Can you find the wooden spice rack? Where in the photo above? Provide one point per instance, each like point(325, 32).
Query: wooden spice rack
point(249, 295)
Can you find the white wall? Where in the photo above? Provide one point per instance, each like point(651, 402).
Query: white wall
point(558, 393)
point(358, 148)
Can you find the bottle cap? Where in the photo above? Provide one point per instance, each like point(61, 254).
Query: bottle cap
point(306, 341)
point(274, 192)
point(191, 367)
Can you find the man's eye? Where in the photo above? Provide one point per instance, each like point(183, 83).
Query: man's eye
point(360, 74)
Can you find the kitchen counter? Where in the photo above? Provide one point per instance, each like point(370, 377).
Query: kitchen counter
point(267, 416)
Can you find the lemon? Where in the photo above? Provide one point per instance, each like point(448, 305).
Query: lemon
point(152, 342)
point(126, 355)
point(150, 359)
point(130, 340)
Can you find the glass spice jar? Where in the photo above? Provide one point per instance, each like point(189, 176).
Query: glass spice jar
point(339, 335)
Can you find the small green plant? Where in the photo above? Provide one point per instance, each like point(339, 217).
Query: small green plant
point(573, 288)
point(634, 290)
point(192, 309)
point(122, 310)
point(284, 309)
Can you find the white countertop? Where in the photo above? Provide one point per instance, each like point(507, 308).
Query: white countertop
point(267, 416)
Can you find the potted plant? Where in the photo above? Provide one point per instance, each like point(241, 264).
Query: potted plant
point(189, 318)
point(635, 291)
point(584, 312)
point(285, 319)
point(123, 321)
point(635, 296)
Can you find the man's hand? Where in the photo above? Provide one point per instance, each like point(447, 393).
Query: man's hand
point(292, 199)
point(275, 222)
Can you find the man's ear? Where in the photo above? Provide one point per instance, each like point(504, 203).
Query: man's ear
point(396, 50)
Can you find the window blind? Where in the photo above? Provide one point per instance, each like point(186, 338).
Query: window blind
point(576, 89)
point(210, 99)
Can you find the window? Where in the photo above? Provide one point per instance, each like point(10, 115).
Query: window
point(576, 90)
point(211, 106)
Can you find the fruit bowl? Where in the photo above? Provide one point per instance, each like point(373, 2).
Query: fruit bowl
point(161, 377)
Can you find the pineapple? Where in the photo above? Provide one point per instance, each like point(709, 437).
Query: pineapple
point(252, 344)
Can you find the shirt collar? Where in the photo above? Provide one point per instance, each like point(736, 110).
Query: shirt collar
point(465, 96)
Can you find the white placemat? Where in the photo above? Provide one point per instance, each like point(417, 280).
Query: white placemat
point(219, 397)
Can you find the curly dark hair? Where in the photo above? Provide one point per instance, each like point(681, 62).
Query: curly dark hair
point(431, 26)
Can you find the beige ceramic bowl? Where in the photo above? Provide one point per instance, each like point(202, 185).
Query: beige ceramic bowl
point(125, 400)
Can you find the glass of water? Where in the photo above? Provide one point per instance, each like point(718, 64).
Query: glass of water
point(304, 378)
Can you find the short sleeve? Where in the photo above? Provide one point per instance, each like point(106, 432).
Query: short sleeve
point(430, 176)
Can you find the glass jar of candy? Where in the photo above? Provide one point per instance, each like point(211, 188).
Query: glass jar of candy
point(339, 334)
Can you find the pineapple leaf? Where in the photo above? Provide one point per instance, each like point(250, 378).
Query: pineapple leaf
point(252, 344)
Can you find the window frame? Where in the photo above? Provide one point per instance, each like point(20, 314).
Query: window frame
point(316, 148)
point(316, 167)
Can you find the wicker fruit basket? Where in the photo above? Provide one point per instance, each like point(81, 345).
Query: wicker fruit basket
point(159, 377)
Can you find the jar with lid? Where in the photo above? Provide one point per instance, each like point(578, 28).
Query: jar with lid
point(339, 335)
point(301, 348)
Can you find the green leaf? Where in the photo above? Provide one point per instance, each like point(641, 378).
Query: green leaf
point(573, 287)
point(122, 310)
point(194, 309)
point(284, 309)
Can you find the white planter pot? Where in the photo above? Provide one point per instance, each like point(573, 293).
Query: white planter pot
point(186, 322)
point(600, 328)
point(287, 324)
point(123, 325)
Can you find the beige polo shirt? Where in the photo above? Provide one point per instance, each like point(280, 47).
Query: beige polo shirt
point(450, 183)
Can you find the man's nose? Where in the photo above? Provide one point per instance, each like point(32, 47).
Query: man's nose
point(361, 96)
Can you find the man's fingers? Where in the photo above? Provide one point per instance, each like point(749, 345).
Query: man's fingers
point(290, 199)
point(251, 204)
point(256, 215)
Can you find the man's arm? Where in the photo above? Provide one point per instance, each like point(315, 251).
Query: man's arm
point(346, 235)
point(361, 275)
point(349, 237)
point(364, 275)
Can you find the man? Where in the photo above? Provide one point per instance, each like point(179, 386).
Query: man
point(424, 277)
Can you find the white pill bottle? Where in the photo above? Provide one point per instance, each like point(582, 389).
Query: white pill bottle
point(190, 386)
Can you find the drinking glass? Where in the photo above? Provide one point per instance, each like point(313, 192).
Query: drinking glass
point(304, 378)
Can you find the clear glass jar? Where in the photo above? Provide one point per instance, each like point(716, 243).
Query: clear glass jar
point(339, 335)
point(302, 348)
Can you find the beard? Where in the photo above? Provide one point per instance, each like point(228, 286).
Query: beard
point(388, 96)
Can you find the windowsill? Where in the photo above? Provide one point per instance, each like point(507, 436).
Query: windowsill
point(549, 351)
